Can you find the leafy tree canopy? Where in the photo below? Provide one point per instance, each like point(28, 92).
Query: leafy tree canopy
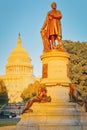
point(30, 91)
point(78, 63)
point(3, 93)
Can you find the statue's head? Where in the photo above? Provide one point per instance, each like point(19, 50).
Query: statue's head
point(53, 5)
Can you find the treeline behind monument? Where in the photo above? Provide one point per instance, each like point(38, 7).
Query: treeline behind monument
point(78, 63)
point(3, 93)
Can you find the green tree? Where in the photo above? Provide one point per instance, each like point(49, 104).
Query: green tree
point(77, 65)
point(78, 62)
point(30, 91)
point(3, 93)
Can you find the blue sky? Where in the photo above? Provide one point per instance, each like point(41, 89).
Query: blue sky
point(27, 17)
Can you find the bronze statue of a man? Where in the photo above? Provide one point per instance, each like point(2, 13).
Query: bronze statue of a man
point(52, 27)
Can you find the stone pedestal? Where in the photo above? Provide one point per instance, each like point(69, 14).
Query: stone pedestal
point(59, 114)
point(58, 93)
point(55, 67)
point(52, 116)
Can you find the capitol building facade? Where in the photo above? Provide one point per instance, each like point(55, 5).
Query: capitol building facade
point(19, 72)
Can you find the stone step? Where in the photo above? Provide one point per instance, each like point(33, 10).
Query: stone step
point(52, 127)
point(55, 104)
point(53, 116)
point(55, 122)
point(55, 107)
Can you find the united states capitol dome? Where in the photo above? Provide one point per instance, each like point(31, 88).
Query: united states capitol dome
point(19, 61)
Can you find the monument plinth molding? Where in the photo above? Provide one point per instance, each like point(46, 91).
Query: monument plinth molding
point(55, 67)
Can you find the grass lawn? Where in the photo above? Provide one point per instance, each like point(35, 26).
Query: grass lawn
point(8, 122)
point(1, 105)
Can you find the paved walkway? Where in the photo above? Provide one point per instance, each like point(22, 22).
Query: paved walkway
point(8, 128)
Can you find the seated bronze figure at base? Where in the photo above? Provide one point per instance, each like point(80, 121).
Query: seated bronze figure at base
point(41, 97)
